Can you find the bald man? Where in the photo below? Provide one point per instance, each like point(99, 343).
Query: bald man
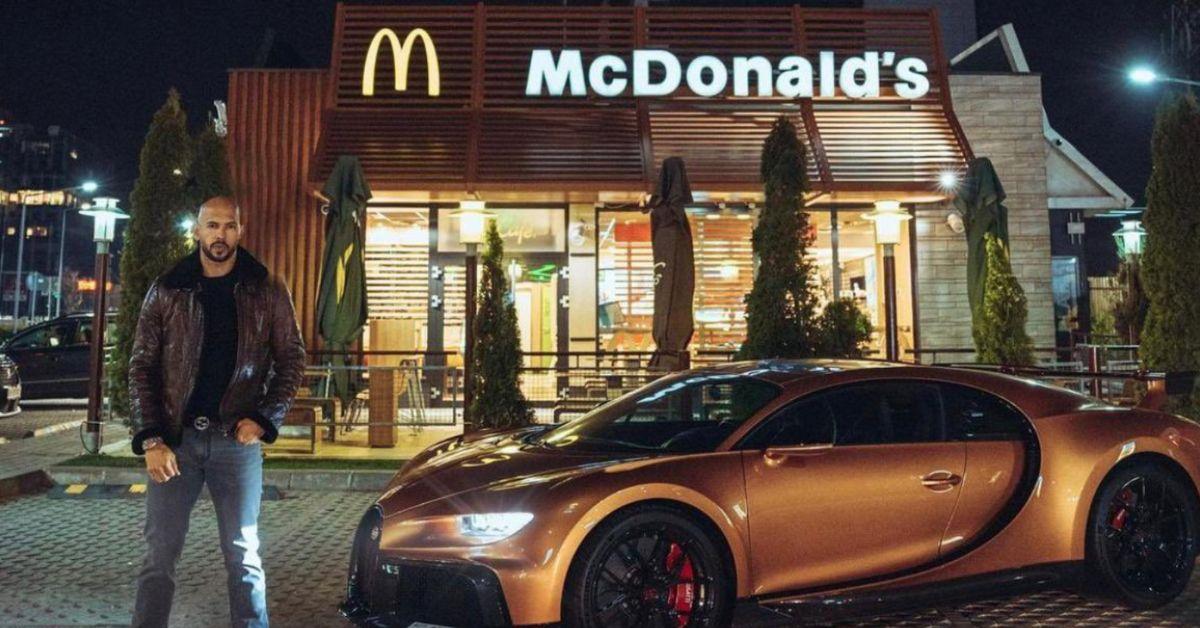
point(216, 361)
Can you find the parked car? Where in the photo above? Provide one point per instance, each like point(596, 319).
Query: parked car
point(53, 357)
point(10, 387)
point(785, 487)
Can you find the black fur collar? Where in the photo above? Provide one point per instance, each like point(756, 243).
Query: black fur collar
point(186, 274)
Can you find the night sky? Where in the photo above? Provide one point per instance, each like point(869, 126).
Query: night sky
point(101, 68)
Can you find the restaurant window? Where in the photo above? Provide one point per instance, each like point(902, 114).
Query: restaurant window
point(724, 268)
point(852, 268)
point(397, 261)
point(535, 241)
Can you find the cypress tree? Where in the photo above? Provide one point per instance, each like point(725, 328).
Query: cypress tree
point(210, 167)
point(1132, 308)
point(781, 306)
point(999, 333)
point(153, 241)
point(498, 402)
point(1171, 262)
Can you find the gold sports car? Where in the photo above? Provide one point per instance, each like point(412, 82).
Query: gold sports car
point(780, 489)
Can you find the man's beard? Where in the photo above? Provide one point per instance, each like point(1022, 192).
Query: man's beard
point(222, 253)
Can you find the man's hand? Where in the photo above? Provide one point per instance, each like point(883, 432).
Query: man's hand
point(161, 464)
point(248, 432)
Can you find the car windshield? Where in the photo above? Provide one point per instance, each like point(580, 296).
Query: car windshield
point(685, 413)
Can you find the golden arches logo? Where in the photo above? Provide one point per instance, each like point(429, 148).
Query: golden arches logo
point(401, 53)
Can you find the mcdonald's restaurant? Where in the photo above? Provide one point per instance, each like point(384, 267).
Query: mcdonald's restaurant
point(558, 119)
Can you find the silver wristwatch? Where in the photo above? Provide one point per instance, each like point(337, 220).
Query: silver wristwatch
point(151, 443)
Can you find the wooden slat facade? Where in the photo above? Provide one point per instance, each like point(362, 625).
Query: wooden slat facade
point(274, 121)
point(483, 133)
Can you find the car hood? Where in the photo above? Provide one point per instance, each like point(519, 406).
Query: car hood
point(492, 465)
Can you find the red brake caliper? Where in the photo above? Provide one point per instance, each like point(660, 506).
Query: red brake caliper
point(1121, 516)
point(681, 596)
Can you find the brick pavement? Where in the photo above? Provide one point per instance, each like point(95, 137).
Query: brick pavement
point(74, 562)
point(31, 418)
point(67, 562)
point(18, 457)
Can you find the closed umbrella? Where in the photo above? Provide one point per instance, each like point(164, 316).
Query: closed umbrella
point(981, 202)
point(674, 268)
point(342, 299)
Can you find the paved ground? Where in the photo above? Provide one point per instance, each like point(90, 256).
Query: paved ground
point(35, 415)
point(72, 562)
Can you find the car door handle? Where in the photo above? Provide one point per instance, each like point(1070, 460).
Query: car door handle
point(941, 481)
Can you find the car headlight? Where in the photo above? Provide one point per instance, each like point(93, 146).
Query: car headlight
point(458, 530)
point(492, 527)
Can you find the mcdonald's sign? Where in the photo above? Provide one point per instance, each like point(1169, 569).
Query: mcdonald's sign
point(401, 53)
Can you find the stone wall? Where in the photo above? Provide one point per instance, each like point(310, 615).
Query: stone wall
point(1001, 115)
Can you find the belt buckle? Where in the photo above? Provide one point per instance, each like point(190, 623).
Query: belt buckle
point(200, 423)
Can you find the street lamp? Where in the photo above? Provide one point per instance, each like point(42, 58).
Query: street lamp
point(1143, 75)
point(472, 219)
point(105, 214)
point(888, 218)
point(1130, 238)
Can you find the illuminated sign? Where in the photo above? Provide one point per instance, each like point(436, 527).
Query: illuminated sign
point(401, 54)
point(660, 73)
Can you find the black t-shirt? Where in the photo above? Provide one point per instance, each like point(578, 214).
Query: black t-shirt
point(218, 354)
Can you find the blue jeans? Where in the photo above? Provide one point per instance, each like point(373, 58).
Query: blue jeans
point(233, 473)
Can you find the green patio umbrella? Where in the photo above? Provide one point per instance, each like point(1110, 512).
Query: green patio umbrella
point(981, 202)
point(342, 299)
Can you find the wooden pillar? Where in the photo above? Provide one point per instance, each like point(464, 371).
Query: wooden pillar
point(382, 408)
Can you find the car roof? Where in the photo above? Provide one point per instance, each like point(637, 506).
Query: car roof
point(1035, 398)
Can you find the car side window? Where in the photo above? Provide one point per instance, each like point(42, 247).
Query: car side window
point(46, 337)
point(807, 422)
point(976, 415)
point(890, 412)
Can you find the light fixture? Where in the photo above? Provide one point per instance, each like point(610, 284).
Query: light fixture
point(472, 220)
point(948, 180)
point(105, 212)
point(89, 186)
point(954, 220)
point(186, 225)
point(888, 216)
point(1130, 238)
point(1143, 75)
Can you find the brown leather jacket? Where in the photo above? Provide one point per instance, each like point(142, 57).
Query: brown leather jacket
point(166, 351)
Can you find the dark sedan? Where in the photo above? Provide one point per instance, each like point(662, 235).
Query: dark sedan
point(52, 357)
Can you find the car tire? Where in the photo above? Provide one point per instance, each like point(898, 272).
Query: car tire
point(649, 564)
point(1142, 536)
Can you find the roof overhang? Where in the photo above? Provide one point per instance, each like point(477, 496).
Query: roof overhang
point(482, 133)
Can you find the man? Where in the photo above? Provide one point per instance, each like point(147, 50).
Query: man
point(216, 361)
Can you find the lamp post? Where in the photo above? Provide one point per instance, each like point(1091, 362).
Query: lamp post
point(105, 213)
point(888, 217)
point(472, 218)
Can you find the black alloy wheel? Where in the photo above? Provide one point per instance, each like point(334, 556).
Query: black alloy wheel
point(1142, 536)
point(652, 566)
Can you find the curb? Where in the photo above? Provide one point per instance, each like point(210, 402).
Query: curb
point(294, 479)
point(51, 429)
point(32, 482)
